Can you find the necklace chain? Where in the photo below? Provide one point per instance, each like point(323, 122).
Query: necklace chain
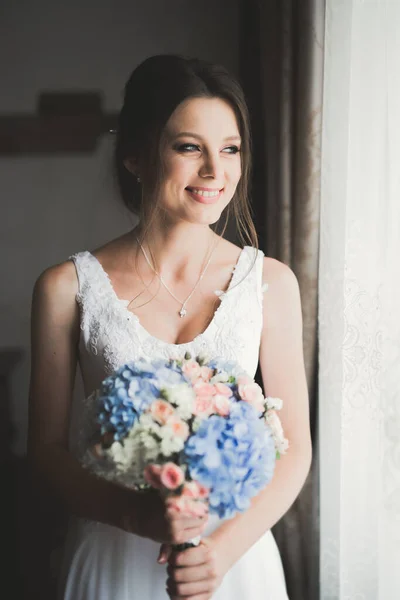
point(183, 310)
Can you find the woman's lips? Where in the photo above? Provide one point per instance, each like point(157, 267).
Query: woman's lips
point(205, 199)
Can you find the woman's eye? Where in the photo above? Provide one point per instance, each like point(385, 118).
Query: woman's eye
point(195, 148)
point(188, 148)
point(232, 149)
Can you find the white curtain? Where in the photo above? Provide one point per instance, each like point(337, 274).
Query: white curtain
point(359, 303)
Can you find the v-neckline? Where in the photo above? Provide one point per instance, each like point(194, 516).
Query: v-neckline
point(121, 303)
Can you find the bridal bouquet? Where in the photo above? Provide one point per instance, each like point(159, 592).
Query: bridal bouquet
point(200, 431)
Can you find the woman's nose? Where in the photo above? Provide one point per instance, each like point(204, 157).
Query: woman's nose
point(212, 167)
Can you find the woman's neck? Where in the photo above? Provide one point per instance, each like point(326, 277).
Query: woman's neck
point(177, 251)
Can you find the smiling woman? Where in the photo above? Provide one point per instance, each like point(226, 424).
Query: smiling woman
point(192, 109)
point(171, 286)
point(188, 166)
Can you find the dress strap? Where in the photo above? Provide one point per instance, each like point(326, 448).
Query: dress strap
point(251, 267)
point(93, 293)
point(261, 287)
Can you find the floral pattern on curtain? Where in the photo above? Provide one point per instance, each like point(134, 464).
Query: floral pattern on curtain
point(359, 298)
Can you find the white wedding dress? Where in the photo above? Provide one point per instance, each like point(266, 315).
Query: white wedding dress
point(101, 562)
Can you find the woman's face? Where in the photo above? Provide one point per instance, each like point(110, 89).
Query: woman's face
point(201, 160)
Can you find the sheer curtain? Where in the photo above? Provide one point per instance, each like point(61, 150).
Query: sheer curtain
point(359, 303)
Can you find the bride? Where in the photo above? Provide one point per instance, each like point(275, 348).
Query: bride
point(171, 285)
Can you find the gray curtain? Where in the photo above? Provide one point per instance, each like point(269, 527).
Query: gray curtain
point(282, 73)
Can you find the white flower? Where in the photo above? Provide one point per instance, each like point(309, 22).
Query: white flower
point(116, 452)
point(281, 443)
point(273, 403)
point(150, 447)
point(171, 444)
point(183, 397)
point(196, 423)
point(221, 377)
point(147, 423)
point(123, 455)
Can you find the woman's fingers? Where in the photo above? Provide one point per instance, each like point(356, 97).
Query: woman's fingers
point(187, 506)
point(183, 528)
point(194, 573)
point(185, 521)
point(189, 574)
point(190, 588)
point(191, 557)
point(164, 554)
point(179, 536)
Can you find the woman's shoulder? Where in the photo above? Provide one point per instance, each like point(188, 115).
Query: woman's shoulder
point(283, 295)
point(276, 271)
point(54, 292)
point(113, 251)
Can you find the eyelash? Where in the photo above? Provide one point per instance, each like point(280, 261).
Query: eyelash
point(183, 148)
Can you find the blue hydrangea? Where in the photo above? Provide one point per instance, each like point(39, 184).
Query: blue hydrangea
point(233, 456)
point(229, 366)
point(126, 393)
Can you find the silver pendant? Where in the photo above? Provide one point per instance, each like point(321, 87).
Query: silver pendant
point(182, 312)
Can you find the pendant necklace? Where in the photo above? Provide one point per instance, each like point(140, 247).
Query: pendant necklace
point(183, 310)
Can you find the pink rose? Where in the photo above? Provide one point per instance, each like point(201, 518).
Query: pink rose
point(206, 373)
point(252, 393)
point(202, 388)
point(179, 427)
point(203, 405)
point(171, 476)
point(222, 405)
point(152, 475)
point(161, 411)
point(244, 379)
point(223, 389)
point(191, 369)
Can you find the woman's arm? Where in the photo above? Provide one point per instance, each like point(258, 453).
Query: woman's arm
point(197, 573)
point(282, 368)
point(56, 472)
point(54, 347)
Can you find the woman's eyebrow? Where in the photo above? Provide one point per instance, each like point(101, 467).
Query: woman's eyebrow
point(199, 137)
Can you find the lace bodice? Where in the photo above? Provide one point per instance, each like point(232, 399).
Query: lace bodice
point(112, 335)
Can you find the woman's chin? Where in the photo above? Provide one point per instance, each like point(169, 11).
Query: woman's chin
point(208, 218)
point(207, 215)
point(200, 214)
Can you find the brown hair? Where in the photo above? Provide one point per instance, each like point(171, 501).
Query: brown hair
point(152, 93)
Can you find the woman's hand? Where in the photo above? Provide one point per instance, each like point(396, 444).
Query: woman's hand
point(195, 573)
point(158, 519)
